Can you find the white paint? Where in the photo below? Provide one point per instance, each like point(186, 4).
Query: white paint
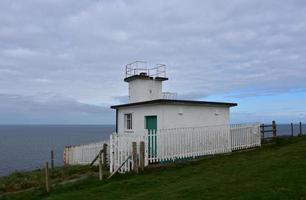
point(144, 90)
point(180, 143)
point(83, 154)
point(174, 116)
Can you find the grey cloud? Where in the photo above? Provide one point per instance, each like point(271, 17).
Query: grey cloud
point(49, 102)
point(294, 116)
point(263, 93)
point(79, 48)
point(193, 95)
point(121, 99)
point(41, 106)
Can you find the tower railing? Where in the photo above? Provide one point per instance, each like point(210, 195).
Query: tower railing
point(140, 67)
point(169, 95)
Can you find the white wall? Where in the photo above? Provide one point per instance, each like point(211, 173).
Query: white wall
point(175, 116)
point(144, 90)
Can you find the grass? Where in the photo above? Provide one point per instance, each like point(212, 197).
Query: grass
point(276, 171)
point(35, 179)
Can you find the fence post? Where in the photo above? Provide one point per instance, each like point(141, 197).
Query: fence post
point(300, 129)
point(274, 128)
point(134, 157)
point(111, 154)
point(66, 155)
point(142, 155)
point(292, 129)
point(104, 155)
point(100, 167)
point(262, 130)
point(52, 159)
point(47, 177)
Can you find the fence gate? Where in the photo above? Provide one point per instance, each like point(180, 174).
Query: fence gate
point(151, 126)
point(121, 150)
point(152, 145)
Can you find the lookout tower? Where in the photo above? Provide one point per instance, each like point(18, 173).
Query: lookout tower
point(151, 109)
point(145, 83)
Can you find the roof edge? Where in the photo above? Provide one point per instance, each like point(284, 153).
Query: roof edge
point(144, 77)
point(170, 101)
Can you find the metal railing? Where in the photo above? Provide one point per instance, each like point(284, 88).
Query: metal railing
point(140, 67)
point(169, 95)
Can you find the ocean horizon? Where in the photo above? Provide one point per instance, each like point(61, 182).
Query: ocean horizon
point(27, 147)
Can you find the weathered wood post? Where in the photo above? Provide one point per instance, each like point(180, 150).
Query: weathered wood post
point(47, 177)
point(134, 157)
point(66, 155)
point(142, 155)
point(263, 131)
point(300, 129)
point(52, 159)
point(274, 128)
point(100, 167)
point(104, 155)
point(292, 129)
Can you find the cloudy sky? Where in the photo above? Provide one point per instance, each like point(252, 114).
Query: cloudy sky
point(62, 61)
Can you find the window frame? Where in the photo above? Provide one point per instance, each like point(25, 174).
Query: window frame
point(128, 121)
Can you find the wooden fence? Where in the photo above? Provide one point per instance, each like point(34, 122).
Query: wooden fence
point(268, 128)
point(265, 129)
point(83, 154)
point(300, 129)
point(121, 149)
point(172, 144)
point(245, 136)
point(179, 143)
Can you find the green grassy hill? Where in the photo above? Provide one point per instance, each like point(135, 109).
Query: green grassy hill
point(276, 171)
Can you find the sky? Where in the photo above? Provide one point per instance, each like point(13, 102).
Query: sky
point(62, 61)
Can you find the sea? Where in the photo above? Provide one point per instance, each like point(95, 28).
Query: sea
point(27, 147)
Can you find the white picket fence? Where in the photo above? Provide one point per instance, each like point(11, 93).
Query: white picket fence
point(245, 136)
point(82, 154)
point(121, 149)
point(179, 143)
point(168, 144)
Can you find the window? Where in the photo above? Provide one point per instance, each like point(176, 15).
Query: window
point(128, 121)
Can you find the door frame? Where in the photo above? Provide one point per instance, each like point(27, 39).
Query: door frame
point(152, 138)
point(145, 124)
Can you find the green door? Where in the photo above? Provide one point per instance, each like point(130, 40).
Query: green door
point(151, 122)
point(151, 126)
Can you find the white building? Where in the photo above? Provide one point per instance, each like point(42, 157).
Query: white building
point(168, 129)
point(150, 108)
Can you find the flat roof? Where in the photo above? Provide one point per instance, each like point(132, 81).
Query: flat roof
point(176, 102)
point(144, 77)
